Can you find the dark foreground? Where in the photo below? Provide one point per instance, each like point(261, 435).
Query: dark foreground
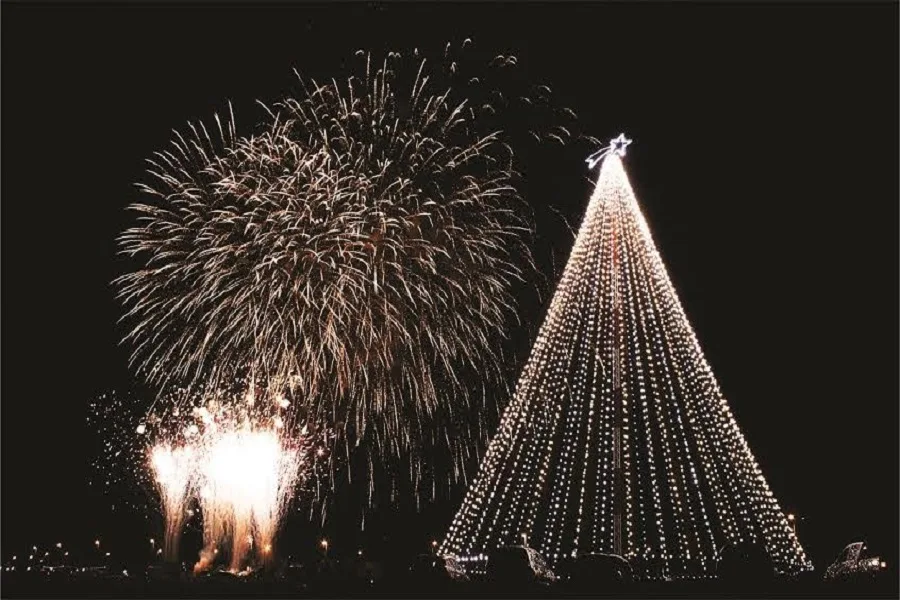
point(42, 586)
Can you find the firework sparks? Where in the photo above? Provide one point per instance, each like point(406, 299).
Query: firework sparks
point(247, 478)
point(368, 237)
point(173, 470)
point(232, 459)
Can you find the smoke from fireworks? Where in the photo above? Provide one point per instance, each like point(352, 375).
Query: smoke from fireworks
point(359, 254)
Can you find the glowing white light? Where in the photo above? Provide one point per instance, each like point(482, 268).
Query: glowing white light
point(617, 146)
point(246, 476)
point(173, 472)
point(618, 438)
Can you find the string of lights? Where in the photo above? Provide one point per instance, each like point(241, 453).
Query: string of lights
point(618, 439)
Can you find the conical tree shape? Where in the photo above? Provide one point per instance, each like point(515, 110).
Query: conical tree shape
point(618, 439)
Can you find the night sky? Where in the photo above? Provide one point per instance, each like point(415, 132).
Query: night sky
point(765, 157)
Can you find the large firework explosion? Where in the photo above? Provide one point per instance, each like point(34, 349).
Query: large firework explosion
point(358, 254)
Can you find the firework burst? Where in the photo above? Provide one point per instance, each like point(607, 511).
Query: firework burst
point(358, 254)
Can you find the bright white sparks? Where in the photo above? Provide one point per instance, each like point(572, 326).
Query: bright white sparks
point(174, 473)
point(368, 238)
point(242, 464)
point(246, 477)
point(359, 254)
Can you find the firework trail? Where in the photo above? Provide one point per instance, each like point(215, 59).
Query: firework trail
point(358, 254)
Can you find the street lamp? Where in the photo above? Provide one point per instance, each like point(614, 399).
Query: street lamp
point(324, 545)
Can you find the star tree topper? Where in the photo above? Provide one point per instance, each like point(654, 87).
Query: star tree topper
point(616, 146)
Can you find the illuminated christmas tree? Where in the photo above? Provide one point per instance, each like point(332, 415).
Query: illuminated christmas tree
point(618, 439)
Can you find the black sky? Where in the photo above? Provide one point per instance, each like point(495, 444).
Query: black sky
point(765, 158)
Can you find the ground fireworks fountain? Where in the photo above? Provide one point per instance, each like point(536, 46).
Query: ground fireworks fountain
point(173, 473)
point(247, 476)
point(236, 459)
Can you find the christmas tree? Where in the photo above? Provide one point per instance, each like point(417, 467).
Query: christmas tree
point(618, 439)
